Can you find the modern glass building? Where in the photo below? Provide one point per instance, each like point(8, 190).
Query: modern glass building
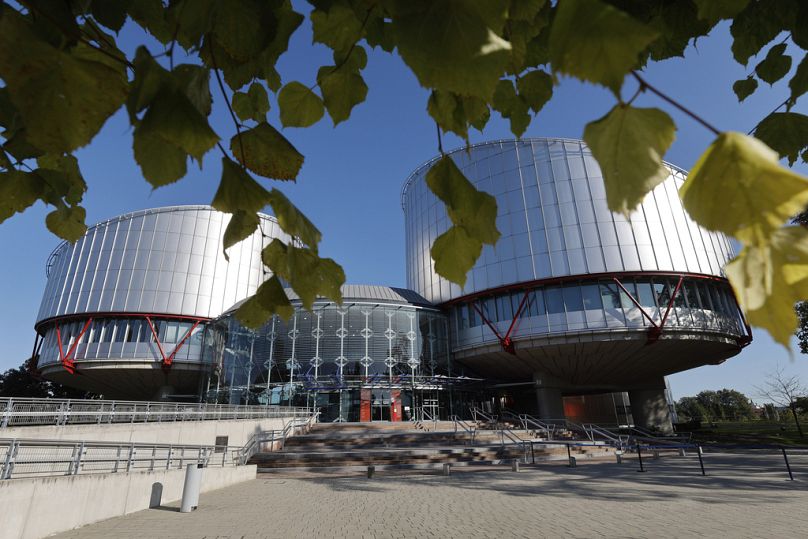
point(575, 313)
point(574, 299)
point(365, 359)
point(127, 304)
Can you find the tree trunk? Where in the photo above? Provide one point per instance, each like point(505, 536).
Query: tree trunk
point(796, 419)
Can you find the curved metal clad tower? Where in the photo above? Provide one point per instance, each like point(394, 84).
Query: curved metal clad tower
point(125, 307)
point(573, 296)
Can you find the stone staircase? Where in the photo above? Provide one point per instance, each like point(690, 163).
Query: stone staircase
point(403, 444)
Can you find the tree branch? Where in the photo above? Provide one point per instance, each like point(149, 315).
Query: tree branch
point(229, 108)
point(682, 108)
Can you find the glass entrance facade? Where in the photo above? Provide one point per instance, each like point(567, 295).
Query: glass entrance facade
point(381, 355)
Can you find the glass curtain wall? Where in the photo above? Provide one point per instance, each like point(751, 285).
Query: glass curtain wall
point(327, 357)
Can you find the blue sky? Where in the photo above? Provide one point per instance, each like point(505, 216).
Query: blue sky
point(351, 180)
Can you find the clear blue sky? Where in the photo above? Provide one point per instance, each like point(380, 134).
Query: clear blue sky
point(351, 180)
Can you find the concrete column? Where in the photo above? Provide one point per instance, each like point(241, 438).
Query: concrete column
point(650, 409)
point(549, 398)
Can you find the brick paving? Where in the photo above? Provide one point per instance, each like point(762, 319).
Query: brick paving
point(742, 496)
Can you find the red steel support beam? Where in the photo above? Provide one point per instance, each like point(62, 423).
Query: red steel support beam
point(655, 332)
point(635, 302)
point(506, 341)
point(67, 359)
point(169, 359)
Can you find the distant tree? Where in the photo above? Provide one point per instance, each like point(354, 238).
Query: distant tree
point(802, 405)
point(24, 382)
point(785, 391)
point(709, 405)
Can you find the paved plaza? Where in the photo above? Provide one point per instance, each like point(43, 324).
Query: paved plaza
point(742, 496)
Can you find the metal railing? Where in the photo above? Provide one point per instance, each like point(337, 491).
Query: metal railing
point(531, 423)
point(620, 441)
point(461, 424)
point(479, 415)
point(274, 440)
point(19, 411)
point(21, 458)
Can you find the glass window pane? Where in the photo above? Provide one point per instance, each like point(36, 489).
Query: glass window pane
point(572, 298)
point(591, 297)
point(554, 300)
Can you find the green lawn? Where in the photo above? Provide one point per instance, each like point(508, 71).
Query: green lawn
point(752, 433)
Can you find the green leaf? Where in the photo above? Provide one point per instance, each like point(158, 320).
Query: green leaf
point(447, 110)
point(473, 214)
point(784, 132)
point(110, 13)
point(299, 106)
point(342, 91)
point(63, 98)
point(757, 24)
point(251, 105)
point(536, 88)
point(151, 15)
point(149, 79)
point(242, 196)
point(337, 27)
point(629, 144)
point(799, 82)
point(769, 279)
point(292, 221)
point(193, 19)
point(799, 26)
point(775, 66)
point(173, 117)
point(194, 82)
point(67, 222)
point(476, 111)
point(453, 45)
point(161, 162)
point(242, 224)
point(525, 10)
point(309, 275)
point(473, 210)
point(738, 187)
point(511, 106)
point(238, 191)
point(267, 153)
point(18, 191)
point(237, 29)
point(63, 179)
point(356, 60)
point(455, 253)
point(597, 42)
point(268, 300)
point(745, 87)
point(716, 10)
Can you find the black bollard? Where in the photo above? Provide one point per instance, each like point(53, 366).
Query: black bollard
point(788, 466)
point(701, 461)
point(639, 456)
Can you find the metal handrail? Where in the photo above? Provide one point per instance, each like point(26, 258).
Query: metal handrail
point(514, 439)
point(19, 411)
point(530, 421)
point(620, 441)
point(471, 429)
point(486, 416)
point(272, 436)
point(37, 458)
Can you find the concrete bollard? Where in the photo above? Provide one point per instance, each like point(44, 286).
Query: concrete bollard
point(655, 455)
point(190, 490)
point(619, 457)
point(515, 465)
point(682, 452)
point(371, 471)
point(573, 463)
point(447, 469)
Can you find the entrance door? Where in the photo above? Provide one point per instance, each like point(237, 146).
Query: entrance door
point(380, 404)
